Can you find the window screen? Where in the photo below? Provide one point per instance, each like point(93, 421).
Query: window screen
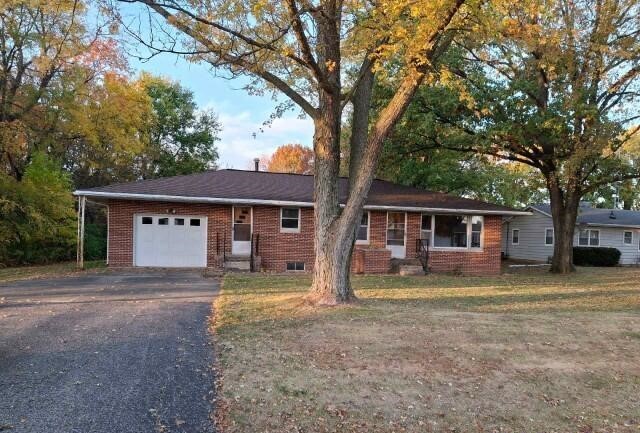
point(476, 231)
point(363, 228)
point(395, 228)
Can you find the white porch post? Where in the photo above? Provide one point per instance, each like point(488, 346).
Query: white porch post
point(82, 200)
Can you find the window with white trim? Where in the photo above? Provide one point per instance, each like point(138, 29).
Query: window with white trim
point(476, 231)
point(548, 236)
point(362, 236)
point(450, 231)
point(515, 237)
point(627, 238)
point(290, 219)
point(457, 231)
point(589, 238)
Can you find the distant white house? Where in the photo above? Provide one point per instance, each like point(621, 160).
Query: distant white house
point(530, 237)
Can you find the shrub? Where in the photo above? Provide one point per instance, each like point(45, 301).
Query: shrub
point(37, 222)
point(595, 256)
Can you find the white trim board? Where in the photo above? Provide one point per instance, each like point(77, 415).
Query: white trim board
point(232, 201)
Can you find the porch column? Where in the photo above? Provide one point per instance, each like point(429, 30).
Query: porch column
point(82, 200)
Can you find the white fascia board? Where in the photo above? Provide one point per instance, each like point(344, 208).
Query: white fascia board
point(184, 199)
point(446, 210)
point(621, 226)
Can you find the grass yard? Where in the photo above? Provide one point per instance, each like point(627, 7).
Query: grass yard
point(42, 271)
point(514, 353)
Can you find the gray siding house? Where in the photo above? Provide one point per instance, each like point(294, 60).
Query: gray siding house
point(530, 237)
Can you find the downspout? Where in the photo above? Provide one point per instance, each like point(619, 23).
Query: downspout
point(82, 201)
point(506, 246)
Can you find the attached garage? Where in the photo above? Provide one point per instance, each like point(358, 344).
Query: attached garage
point(178, 241)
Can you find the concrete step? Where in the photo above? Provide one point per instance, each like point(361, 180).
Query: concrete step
point(237, 258)
point(237, 265)
point(411, 270)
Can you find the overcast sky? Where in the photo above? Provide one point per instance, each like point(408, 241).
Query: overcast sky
point(240, 114)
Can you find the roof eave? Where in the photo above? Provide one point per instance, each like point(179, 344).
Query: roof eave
point(214, 200)
point(186, 199)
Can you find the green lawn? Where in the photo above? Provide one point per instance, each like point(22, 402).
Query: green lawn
point(42, 271)
point(526, 353)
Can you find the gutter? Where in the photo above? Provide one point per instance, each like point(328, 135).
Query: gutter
point(213, 200)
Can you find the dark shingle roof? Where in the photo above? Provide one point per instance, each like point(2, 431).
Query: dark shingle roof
point(599, 216)
point(251, 185)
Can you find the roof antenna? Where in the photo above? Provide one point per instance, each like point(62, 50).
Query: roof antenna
point(256, 162)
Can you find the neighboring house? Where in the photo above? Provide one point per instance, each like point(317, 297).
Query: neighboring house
point(530, 237)
point(228, 217)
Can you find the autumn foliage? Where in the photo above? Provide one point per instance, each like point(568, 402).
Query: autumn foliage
point(291, 158)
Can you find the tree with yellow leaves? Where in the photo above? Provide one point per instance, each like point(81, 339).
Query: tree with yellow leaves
point(554, 85)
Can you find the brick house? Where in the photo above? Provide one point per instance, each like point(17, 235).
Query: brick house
point(261, 220)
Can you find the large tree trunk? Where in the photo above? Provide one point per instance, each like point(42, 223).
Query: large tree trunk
point(564, 211)
point(331, 283)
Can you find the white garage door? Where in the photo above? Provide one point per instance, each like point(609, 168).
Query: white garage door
point(170, 241)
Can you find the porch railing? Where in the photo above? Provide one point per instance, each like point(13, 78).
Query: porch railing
point(422, 253)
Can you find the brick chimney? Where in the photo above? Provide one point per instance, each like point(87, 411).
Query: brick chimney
point(256, 162)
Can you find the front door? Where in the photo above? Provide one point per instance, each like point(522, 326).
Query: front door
point(396, 224)
point(242, 220)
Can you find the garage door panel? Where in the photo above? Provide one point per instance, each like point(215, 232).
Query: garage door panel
point(170, 241)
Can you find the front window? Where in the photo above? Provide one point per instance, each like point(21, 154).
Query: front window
point(450, 231)
point(290, 219)
point(548, 237)
point(589, 238)
point(363, 229)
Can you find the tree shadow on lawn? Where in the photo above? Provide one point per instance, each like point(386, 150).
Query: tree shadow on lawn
point(291, 311)
point(591, 300)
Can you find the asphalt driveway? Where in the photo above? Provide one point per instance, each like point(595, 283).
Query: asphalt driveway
point(114, 352)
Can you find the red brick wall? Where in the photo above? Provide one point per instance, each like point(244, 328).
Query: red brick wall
point(276, 249)
point(485, 262)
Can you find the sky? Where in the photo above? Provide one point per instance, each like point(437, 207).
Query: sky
point(241, 115)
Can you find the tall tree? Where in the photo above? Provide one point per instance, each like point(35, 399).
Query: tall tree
point(39, 43)
point(291, 158)
point(322, 55)
point(553, 85)
point(182, 138)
